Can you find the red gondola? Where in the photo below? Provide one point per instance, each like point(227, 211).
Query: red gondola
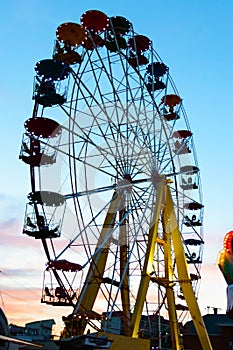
point(139, 43)
point(63, 265)
point(171, 100)
point(182, 134)
point(43, 127)
point(95, 21)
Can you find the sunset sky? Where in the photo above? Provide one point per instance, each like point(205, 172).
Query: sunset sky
point(194, 38)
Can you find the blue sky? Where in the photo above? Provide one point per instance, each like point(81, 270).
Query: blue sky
point(194, 38)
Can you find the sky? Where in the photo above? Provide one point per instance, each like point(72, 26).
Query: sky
point(194, 38)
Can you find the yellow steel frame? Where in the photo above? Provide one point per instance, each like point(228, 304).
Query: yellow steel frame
point(171, 241)
point(124, 275)
point(164, 208)
point(98, 263)
point(148, 264)
point(94, 278)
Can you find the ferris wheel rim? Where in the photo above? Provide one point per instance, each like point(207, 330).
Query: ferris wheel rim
point(125, 178)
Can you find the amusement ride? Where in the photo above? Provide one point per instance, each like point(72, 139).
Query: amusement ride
point(115, 193)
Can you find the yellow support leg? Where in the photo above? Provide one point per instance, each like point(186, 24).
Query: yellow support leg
point(148, 262)
point(97, 267)
point(124, 274)
point(172, 238)
point(171, 228)
point(169, 277)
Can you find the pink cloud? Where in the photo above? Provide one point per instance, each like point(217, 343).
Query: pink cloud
point(212, 289)
point(23, 306)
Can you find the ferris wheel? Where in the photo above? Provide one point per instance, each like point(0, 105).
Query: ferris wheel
point(115, 185)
